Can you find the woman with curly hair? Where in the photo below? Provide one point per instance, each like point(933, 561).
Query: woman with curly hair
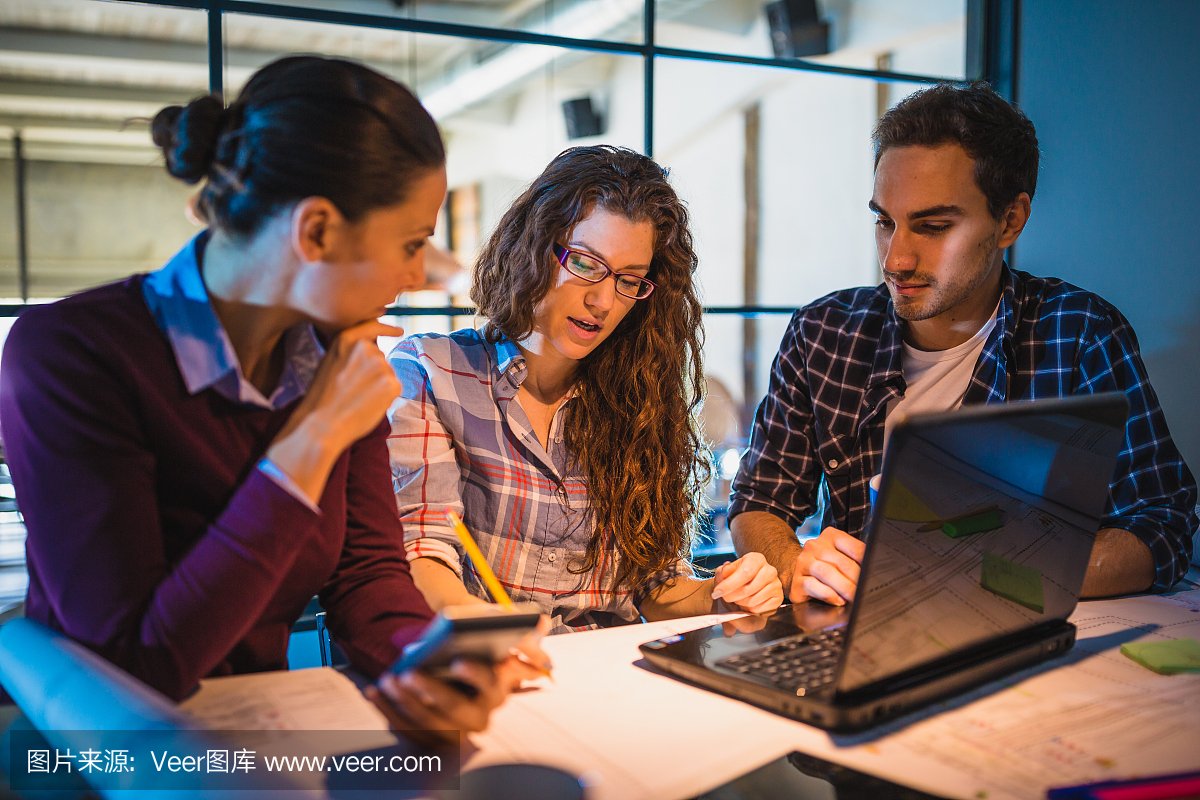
point(563, 430)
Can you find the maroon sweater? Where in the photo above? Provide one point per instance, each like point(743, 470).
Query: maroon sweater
point(153, 538)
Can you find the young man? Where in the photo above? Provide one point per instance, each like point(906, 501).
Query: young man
point(955, 171)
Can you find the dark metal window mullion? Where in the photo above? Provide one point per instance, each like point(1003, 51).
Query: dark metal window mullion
point(216, 50)
point(647, 49)
point(406, 24)
point(648, 77)
point(799, 65)
point(22, 218)
point(467, 311)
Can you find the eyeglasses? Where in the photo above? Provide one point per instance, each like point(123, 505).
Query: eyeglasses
point(593, 270)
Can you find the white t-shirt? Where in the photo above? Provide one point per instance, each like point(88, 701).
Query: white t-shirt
point(938, 379)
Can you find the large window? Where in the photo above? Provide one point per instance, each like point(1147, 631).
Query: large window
point(762, 114)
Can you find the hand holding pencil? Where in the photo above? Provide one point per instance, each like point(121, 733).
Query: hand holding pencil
point(529, 655)
point(482, 568)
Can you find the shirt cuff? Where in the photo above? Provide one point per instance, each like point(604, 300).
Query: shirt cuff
point(281, 479)
point(426, 547)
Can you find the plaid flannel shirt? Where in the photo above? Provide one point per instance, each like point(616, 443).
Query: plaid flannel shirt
point(818, 435)
point(460, 442)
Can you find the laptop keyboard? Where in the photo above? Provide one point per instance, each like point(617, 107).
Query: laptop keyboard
point(799, 664)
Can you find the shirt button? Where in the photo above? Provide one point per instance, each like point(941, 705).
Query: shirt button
point(550, 557)
point(833, 463)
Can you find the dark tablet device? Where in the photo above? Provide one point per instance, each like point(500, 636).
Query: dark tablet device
point(480, 633)
point(804, 777)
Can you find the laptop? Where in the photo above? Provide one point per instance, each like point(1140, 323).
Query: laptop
point(976, 549)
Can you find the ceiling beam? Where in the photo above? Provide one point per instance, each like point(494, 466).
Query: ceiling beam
point(131, 65)
point(132, 126)
point(74, 44)
point(70, 90)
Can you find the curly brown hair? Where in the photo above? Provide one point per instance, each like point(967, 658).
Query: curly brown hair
point(644, 383)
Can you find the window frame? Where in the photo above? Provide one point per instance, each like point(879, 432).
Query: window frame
point(991, 48)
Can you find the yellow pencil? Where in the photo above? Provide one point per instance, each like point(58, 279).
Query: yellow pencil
point(489, 580)
point(481, 565)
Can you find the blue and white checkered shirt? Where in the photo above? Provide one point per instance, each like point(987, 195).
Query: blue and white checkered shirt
point(819, 431)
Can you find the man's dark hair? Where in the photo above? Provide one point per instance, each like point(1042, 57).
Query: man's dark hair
point(994, 132)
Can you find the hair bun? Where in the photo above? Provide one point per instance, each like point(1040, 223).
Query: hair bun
point(188, 136)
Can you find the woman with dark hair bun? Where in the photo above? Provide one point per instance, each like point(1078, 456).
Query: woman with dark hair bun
point(200, 450)
point(563, 430)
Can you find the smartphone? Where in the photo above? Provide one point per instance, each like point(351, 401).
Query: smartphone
point(478, 632)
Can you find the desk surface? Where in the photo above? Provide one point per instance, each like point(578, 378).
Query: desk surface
point(1092, 715)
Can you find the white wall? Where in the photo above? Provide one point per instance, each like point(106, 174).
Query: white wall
point(707, 172)
point(90, 223)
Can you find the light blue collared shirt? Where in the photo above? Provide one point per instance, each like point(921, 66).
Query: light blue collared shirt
point(179, 301)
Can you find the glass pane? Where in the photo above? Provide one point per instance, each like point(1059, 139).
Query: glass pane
point(920, 37)
point(610, 20)
point(734, 389)
point(79, 79)
point(488, 100)
point(803, 139)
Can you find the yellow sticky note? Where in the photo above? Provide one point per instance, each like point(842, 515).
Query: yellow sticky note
point(904, 506)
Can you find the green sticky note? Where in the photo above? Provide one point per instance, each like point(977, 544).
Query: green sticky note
point(1166, 656)
point(1013, 581)
point(973, 523)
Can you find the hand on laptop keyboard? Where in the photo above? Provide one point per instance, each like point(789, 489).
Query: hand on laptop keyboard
point(827, 568)
point(748, 584)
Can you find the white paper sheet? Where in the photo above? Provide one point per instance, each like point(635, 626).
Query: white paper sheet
point(1093, 715)
point(317, 699)
point(633, 733)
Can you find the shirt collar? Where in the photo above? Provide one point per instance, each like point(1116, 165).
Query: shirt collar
point(179, 301)
point(512, 368)
point(887, 368)
point(509, 358)
point(1006, 316)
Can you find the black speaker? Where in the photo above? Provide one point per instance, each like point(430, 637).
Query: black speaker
point(582, 119)
point(795, 29)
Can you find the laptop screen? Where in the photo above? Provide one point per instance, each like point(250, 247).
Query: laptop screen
point(983, 528)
